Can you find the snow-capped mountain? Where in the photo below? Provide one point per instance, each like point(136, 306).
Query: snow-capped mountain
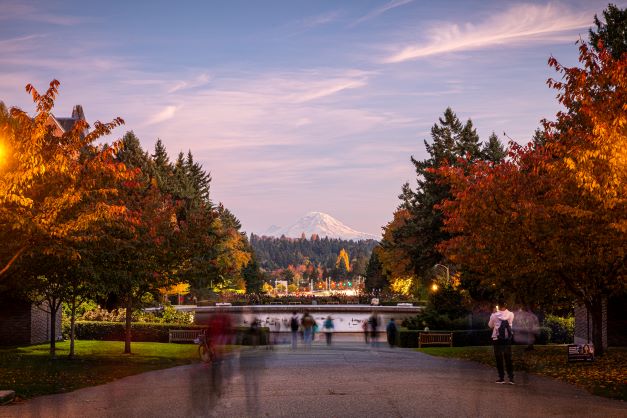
point(322, 224)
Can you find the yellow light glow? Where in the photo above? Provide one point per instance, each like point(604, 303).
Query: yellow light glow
point(3, 154)
point(434, 287)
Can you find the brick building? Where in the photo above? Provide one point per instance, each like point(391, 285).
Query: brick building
point(614, 323)
point(23, 323)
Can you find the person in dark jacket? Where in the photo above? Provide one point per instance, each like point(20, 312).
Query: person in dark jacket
point(391, 332)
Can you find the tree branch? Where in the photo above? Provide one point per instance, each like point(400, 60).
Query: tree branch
point(12, 260)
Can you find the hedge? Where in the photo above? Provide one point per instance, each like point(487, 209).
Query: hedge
point(463, 338)
point(149, 332)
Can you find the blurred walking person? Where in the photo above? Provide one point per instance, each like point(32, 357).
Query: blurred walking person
point(374, 325)
point(294, 325)
point(328, 329)
point(391, 331)
point(307, 323)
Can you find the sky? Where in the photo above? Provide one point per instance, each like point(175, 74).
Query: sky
point(296, 106)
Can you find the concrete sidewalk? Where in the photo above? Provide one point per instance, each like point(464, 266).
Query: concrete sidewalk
point(348, 379)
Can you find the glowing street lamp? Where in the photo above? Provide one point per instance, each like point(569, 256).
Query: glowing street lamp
point(434, 287)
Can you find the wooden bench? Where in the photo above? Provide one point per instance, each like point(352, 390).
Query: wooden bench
point(437, 338)
point(184, 335)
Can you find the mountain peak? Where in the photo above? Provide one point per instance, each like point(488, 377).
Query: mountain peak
point(321, 224)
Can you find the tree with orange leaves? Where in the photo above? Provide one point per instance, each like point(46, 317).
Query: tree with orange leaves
point(557, 212)
point(55, 188)
point(47, 189)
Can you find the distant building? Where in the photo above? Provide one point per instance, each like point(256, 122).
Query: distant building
point(63, 125)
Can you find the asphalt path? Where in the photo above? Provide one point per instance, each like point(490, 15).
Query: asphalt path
point(348, 379)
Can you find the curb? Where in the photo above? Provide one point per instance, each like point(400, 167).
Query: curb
point(6, 396)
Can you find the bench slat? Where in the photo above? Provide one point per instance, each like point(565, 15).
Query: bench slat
point(184, 335)
point(440, 338)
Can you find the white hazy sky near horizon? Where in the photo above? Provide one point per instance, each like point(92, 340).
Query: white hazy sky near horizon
point(296, 106)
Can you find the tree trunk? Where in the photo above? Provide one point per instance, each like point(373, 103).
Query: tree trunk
point(72, 325)
point(596, 316)
point(129, 311)
point(53, 308)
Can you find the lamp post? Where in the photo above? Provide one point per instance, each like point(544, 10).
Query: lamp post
point(448, 275)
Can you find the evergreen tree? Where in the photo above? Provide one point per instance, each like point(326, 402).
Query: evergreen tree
point(253, 276)
point(162, 167)
point(612, 33)
point(493, 150)
point(200, 180)
point(133, 156)
point(418, 238)
point(375, 278)
point(539, 138)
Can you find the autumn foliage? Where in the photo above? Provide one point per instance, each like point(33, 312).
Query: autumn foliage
point(556, 212)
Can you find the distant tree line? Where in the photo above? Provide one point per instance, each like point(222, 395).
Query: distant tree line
point(275, 253)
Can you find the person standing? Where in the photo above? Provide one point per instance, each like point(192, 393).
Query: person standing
point(501, 323)
point(374, 325)
point(391, 332)
point(308, 323)
point(364, 327)
point(328, 329)
point(294, 324)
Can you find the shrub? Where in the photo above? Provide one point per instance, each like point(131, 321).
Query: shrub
point(461, 338)
point(562, 329)
point(115, 331)
point(166, 315)
point(150, 332)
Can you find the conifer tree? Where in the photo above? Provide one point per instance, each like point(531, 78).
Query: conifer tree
point(162, 166)
point(612, 33)
point(451, 139)
point(493, 150)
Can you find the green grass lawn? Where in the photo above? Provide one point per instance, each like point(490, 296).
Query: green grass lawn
point(606, 376)
point(31, 372)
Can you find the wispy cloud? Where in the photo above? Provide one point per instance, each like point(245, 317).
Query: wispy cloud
point(197, 81)
point(519, 23)
point(380, 10)
point(29, 12)
point(319, 20)
point(163, 115)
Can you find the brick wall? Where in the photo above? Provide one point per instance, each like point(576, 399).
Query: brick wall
point(22, 323)
point(40, 324)
point(583, 326)
point(617, 322)
point(15, 324)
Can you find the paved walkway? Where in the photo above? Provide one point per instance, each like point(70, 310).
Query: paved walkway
point(347, 380)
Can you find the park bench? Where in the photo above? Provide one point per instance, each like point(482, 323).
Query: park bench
point(276, 303)
point(184, 335)
point(295, 303)
point(435, 338)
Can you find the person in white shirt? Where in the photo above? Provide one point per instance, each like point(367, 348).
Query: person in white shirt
point(502, 341)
